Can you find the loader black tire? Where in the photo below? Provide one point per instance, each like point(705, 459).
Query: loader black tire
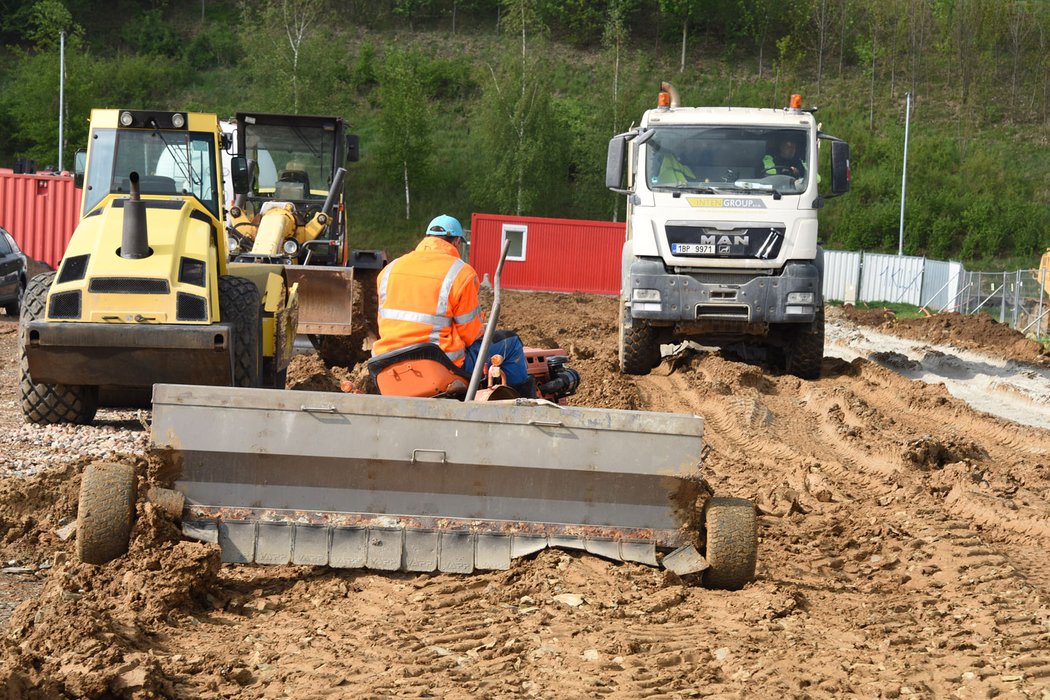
point(639, 345)
point(240, 303)
point(105, 512)
point(731, 543)
point(804, 351)
point(47, 404)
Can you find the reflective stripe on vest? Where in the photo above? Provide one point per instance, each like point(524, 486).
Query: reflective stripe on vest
point(436, 321)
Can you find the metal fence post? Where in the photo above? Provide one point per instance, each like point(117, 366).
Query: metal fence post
point(1017, 301)
point(1002, 301)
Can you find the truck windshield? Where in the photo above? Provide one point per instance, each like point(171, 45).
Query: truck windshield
point(293, 160)
point(701, 158)
point(175, 163)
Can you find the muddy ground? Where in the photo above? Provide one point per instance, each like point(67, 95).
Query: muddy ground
point(903, 554)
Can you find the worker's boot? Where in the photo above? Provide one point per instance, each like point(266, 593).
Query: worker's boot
point(527, 389)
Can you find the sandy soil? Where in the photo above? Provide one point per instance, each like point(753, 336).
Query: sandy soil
point(903, 541)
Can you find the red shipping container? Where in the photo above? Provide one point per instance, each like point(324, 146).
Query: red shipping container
point(40, 211)
point(553, 255)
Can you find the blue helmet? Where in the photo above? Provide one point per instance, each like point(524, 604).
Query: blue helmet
point(445, 225)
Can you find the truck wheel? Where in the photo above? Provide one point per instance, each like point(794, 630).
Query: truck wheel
point(731, 543)
point(15, 307)
point(47, 404)
point(241, 304)
point(104, 512)
point(639, 345)
point(804, 352)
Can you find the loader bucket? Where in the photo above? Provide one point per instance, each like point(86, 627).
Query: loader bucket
point(326, 298)
point(400, 483)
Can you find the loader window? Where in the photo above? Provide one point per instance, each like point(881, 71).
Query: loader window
point(295, 162)
point(173, 163)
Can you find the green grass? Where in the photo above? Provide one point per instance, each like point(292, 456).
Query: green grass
point(901, 311)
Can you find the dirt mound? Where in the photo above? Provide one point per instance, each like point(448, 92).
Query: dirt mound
point(968, 331)
point(310, 373)
point(91, 630)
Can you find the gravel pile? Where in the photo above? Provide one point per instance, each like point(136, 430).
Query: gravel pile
point(27, 449)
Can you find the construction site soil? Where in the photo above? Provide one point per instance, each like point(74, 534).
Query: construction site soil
point(903, 539)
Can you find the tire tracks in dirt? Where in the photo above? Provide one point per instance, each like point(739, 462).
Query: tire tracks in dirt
point(901, 456)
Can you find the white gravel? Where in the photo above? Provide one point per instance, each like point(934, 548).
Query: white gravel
point(27, 449)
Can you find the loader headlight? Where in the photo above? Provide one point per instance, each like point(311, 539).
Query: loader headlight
point(800, 298)
point(291, 246)
point(126, 119)
point(234, 244)
point(178, 120)
point(645, 295)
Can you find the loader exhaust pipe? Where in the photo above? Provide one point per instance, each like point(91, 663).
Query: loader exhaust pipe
point(134, 243)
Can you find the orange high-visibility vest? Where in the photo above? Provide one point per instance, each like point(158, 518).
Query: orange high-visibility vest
point(429, 295)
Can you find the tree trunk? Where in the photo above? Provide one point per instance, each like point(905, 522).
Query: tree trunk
point(871, 98)
point(408, 199)
point(685, 25)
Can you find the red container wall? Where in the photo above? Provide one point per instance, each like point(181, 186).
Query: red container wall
point(40, 211)
point(561, 255)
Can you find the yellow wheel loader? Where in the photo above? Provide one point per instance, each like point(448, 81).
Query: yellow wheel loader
point(425, 484)
point(144, 293)
point(293, 213)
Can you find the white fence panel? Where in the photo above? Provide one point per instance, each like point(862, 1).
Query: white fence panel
point(841, 275)
point(940, 285)
point(891, 278)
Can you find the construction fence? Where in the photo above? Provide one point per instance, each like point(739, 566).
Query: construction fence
point(1020, 298)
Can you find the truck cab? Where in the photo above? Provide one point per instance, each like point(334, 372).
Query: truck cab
point(722, 232)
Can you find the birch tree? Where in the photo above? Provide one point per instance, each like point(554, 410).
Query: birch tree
point(404, 123)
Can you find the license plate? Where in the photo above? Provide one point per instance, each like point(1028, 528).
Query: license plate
point(693, 248)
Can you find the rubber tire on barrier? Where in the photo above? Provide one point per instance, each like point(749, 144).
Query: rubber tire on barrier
point(639, 345)
point(731, 543)
point(240, 303)
point(804, 353)
point(47, 404)
point(105, 512)
point(15, 307)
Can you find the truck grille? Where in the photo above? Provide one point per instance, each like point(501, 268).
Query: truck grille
point(189, 307)
point(64, 305)
point(127, 285)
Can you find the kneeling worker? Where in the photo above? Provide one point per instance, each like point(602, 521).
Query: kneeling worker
point(431, 295)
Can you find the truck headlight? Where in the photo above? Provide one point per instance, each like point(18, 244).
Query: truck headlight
point(645, 295)
point(800, 298)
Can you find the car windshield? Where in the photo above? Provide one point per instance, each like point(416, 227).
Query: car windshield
point(293, 160)
point(724, 158)
point(176, 163)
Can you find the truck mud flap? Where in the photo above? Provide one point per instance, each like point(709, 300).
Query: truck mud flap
point(326, 298)
point(393, 483)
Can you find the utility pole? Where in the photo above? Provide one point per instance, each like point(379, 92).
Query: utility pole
point(61, 93)
point(904, 174)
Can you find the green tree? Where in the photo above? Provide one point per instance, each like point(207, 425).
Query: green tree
point(682, 11)
point(404, 122)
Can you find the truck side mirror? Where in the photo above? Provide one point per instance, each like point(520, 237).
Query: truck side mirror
point(841, 174)
point(615, 162)
point(241, 174)
point(353, 148)
point(79, 166)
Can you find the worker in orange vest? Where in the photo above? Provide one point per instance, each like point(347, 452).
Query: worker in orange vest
point(431, 295)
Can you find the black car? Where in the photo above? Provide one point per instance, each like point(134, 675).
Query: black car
point(12, 274)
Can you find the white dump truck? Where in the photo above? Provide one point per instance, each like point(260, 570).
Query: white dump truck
point(721, 243)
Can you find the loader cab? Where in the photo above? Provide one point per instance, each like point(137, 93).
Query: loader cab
point(296, 158)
